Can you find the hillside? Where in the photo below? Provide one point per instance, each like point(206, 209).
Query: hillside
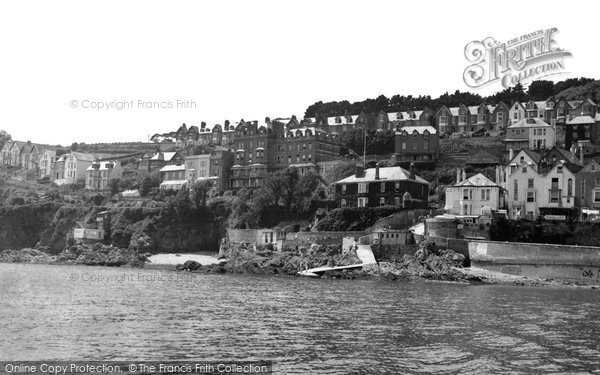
point(590, 90)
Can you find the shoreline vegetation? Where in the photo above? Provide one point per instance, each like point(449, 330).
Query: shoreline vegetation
point(427, 264)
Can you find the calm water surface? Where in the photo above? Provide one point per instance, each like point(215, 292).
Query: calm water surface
point(303, 325)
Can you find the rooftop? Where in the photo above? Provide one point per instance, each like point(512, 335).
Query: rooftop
point(478, 180)
point(385, 174)
point(530, 122)
point(171, 168)
point(582, 120)
point(418, 129)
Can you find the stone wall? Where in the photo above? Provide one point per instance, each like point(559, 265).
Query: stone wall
point(254, 236)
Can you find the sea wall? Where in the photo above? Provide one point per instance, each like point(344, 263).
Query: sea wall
point(538, 260)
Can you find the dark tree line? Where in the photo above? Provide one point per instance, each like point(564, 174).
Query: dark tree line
point(538, 90)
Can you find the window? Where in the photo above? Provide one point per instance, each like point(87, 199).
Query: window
point(596, 196)
point(596, 180)
point(531, 196)
point(382, 201)
point(397, 187)
point(530, 183)
point(554, 192)
point(485, 194)
point(414, 145)
point(524, 170)
point(559, 169)
point(363, 202)
point(465, 194)
point(383, 187)
point(343, 202)
point(397, 201)
point(443, 120)
point(570, 187)
point(404, 145)
point(362, 188)
point(516, 190)
point(344, 189)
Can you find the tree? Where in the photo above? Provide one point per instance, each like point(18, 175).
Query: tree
point(74, 146)
point(148, 183)
point(114, 186)
point(4, 137)
point(200, 192)
point(541, 90)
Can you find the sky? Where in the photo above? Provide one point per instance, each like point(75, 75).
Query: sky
point(165, 63)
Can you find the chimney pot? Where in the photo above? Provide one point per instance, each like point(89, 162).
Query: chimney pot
point(377, 172)
point(412, 171)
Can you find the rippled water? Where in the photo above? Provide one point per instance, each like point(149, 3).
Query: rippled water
point(303, 325)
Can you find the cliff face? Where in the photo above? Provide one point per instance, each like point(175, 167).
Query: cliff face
point(147, 229)
point(167, 230)
point(24, 226)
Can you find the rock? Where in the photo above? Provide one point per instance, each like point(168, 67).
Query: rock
point(189, 265)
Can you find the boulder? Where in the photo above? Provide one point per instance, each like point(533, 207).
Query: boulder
point(189, 265)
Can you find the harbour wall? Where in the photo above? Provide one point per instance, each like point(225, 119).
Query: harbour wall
point(537, 260)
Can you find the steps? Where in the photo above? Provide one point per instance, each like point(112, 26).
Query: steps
point(365, 254)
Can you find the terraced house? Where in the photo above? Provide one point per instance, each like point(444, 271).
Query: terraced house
point(463, 119)
point(588, 187)
point(398, 120)
point(537, 187)
point(417, 143)
point(5, 154)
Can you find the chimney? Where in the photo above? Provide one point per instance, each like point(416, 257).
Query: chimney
point(457, 175)
point(464, 175)
point(377, 172)
point(412, 171)
point(497, 174)
point(360, 171)
point(511, 153)
point(573, 149)
point(581, 153)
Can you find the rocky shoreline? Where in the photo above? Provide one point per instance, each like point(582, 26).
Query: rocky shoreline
point(428, 263)
point(90, 255)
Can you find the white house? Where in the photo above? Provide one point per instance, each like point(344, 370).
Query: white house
point(75, 168)
point(98, 174)
point(530, 133)
point(45, 163)
point(474, 195)
point(537, 189)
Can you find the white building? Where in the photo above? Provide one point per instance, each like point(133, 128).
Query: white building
point(75, 168)
point(532, 134)
point(173, 177)
point(473, 196)
point(536, 189)
point(45, 163)
point(98, 174)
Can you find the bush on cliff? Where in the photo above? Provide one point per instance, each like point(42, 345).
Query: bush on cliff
point(22, 226)
point(354, 218)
